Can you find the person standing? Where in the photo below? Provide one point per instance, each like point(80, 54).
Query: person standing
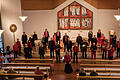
point(29, 49)
point(110, 52)
point(104, 50)
point(99, 37)
point(79, 40)
point(90, 35)
point(75, 50)
point(68, 67)
point(102, 40)
point(26, 51)
point(58, 36)
point(43, 42)
point(35, 36)
point(114, 41)
point(57, 50)
point(118, 48)
point(46, 34)
point(31, 39)
point(84, 49)
point(65, 41)
point(19, 47)
point(69, 46)
point(24, 39)
point(54, 38)
point(94, 40)
point(41, 51)
point(15, 50)
point(51, 46)
point(93, 51)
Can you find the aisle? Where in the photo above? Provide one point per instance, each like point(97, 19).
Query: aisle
point(59, 74)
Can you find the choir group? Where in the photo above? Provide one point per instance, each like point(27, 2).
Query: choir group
point(107, 46)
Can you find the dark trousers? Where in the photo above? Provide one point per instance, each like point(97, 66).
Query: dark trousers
point(84, 53)
point(104, 54)
point(15, 54)
point(51, 53)
point(46, 39)
point(26, 55)
point(41, 56)
point(118, 52)
point(69, 49)
point(75, 55)
point(19, 50)
point(57, 56)
point(65, 47)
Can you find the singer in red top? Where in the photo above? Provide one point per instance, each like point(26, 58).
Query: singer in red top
point(46, 34)
point(99, 37)
point(110, 52)
point(58, 36)
point(75, 50)
point(19, 47)
point(68, 67)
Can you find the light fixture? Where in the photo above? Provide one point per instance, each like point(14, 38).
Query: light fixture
point(23, 18)
point(118, 15)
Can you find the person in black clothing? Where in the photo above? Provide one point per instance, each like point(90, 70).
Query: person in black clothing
point(31, 39)
point(26, 51)
point(94, 40)
point(41, 51)
point(82, 72)
point(43, 42)
point(93, 51)
point(90, 35)
point(46, 34)
point(35, 36)
point(29, 49)
point(114, 41)
point(65, 41)
point(84, 49)
point(79, 40)
point(24, 39)
point(69, 46)
point(58, 36)
point(94, 73)
point(51, 46)
point(57, 50)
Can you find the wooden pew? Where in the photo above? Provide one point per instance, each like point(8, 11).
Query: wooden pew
point(34, 61)
point(99, 66)
point(103, 70)
point(98, 77)
point(29, 70)
point(99, 61)
point(28, 65)
point(21, 75)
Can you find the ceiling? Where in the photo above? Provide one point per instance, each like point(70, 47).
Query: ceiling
point(105, 4)
point(40, 4)
point(51, 4)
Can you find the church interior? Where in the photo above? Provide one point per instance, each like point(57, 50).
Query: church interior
point(59, 39)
